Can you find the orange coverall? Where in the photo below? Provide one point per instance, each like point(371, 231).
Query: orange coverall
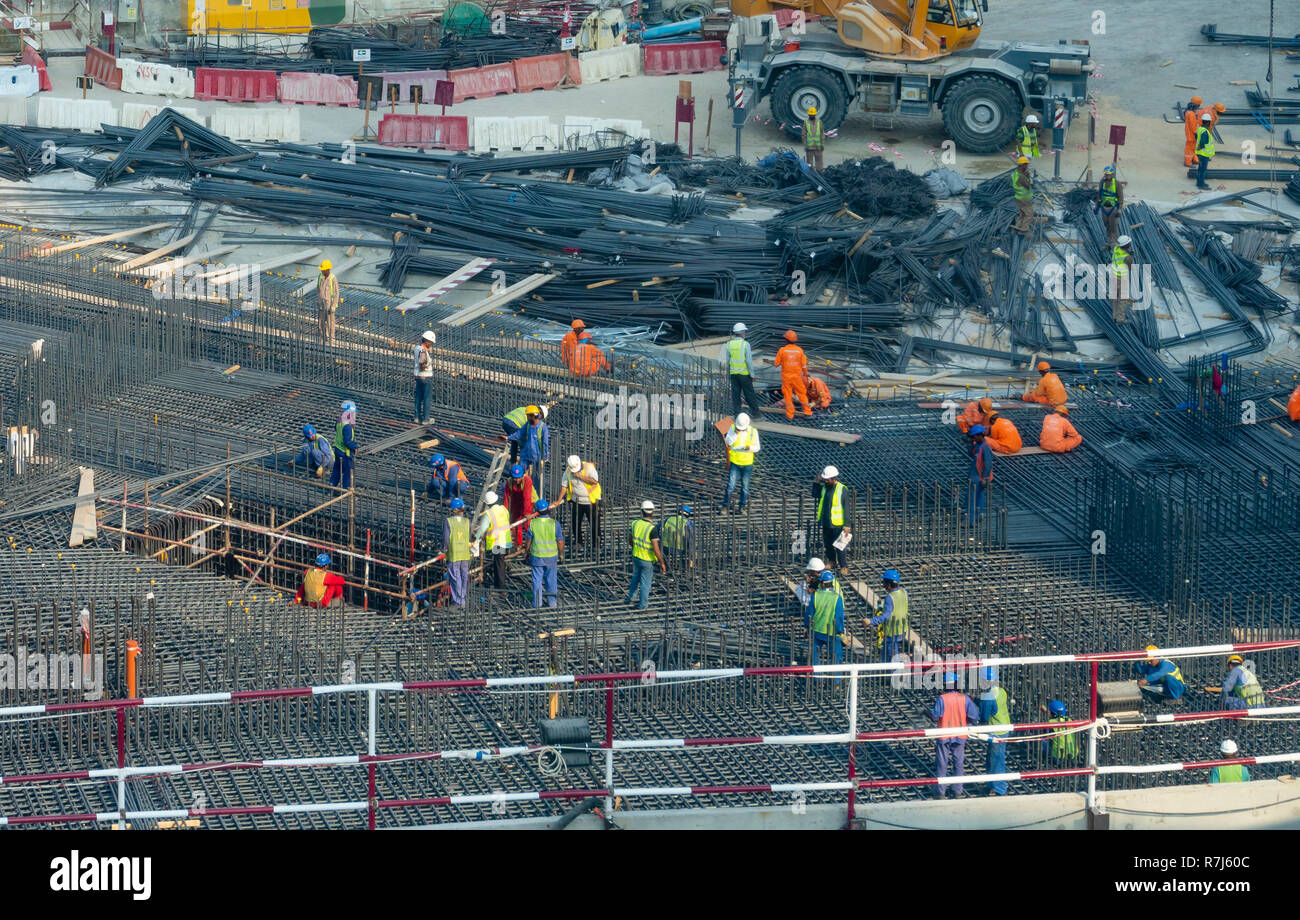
point(1191, 122)
point(588, 360)
point(971, 416)
point(793, 363)
point(1050, 391)
point(818, 391)
point(1058, 434)
point(1003, 436)
point(569, 346)
point(1293, 405)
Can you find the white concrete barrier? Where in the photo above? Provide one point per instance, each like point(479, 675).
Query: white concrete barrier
point(528, 132)
point(19, 81)
point(137, 114)
point(610, 63)
point(13, 110)
point(156, 79)
point(75, 114)
point(582, 132)
point(258, 123)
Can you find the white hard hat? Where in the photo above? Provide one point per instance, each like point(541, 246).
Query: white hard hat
point(575, 462)
point(830, 473)
point(647, 505)
point(815, 565)
point(1124, 240)
point(742, 421)
point(1031, 119)
point(739, 327)
point(490, 498)
point(1228, 746)
point(1207, 117)
point(429, 336)
point(545, 411)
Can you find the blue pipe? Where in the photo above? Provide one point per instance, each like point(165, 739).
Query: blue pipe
point(672, 28)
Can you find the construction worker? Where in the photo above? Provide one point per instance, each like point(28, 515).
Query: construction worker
point(1159, 677)
point(794, 371)
point(447, 480)
point(521, 496)
point(588, 360)
point(345, 446)
point(456, 552)
point(1027, 138)
point(818, 392)
point(1241, 688)
point(424, 377)
point(569, 344)
point(813, 139)
point(327, 301)
point(1001, 435)
point(512, 423)
point(1191, 121)
point(580, 487)
point(534, 442)
point(316, 450)
point(1293, 405)
point(953, 709)
point(320, 587)
point(995, 709)
point(742, 443)
point(1063, 746)
point(1110, 200)
point(677, 536)
point(739, 359)
point(494, 533)
point(545, 543)
point(812, 578)
point(643, 537)
point(1120, 261)
point(828, 492)
point(1023, 188)
point(892, 618)
point(824, 615)
point(1050, 391)
point(980, 473)
point(976, 413)
point(1204, 150)
point(1058, 435)
point(1214, 111)
point(1231, 772)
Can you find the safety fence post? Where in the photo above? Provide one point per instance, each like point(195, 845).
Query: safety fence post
point(371, 694)
point(853, 745)
point(609, 750)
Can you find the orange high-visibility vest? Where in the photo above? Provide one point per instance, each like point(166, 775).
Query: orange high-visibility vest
point(954, 711)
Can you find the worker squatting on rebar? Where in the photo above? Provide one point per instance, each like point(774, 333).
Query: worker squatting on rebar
point(320, 587)
point(447, 481)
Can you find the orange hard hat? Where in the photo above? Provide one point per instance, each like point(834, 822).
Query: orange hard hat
point(1063, 410)
point(1043, 367)
point(578, 324)
point(1220, 107)
point(986, 405)
point(1196, 100)
point(791, 336)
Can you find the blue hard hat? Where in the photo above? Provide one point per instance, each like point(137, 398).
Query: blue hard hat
point(541, 505)
point(976, 429)
point(308, 431)
point(1056, 708)
point(891, 575)
point(349, 406)
point(989, 673)
point(686, 509)
point(517, 470)
point(826, 577)
point(950, 678)
point(323, 560)
point(437, 460)
point(457, 504)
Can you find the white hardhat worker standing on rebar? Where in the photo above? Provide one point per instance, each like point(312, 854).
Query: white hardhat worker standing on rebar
point(1027, 138)
point(424, 377)
point(742, 444)
point(494, 531)
point(828, 493)
point(643, 537)
point(580, 487)
point(739, 359)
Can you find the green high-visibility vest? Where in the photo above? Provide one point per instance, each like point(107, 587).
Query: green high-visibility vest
point(1251, 691)
point(673, 532)
point(542, 532)
point(1001, 712)
point(736, 363)
point(1028, 139)
point(1109, 192)
point(518, 416)
point(499, 527)
point(825, 602)
point(1205, 143)
point(812, 134)
point(1233, 773)
point(1021, 185)
point(1064, 744)
point(1117, 258)
point(897, 624)
point(338, 438)
point(458, 544)
point(642, 545)
point(837, 505)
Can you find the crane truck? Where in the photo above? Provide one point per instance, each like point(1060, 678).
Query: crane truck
point(907, 57)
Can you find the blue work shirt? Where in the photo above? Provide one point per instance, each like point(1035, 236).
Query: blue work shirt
point(534, 443)
point(1162, 673)
point(559, 538)
point(839, 613)
point(318, 449)
point(972, 714)
point(981, 461)
point(885, 613)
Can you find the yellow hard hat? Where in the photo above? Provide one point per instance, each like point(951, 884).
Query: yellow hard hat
point(1234, 659)
point(327, 264)
point(1021, 161)
point(812, 110)
point(1153, 648)
point(532, 410)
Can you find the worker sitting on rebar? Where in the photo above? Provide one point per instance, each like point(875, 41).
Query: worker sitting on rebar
point(825, 615)
point(320, 587)
point(447, 481)
point(1002, 436)
point(316, 449)
point(1110, 201)
point(1159, 677)
point(1058, 435)
point(588, 360)
point(1241, 688)
point(1062, 746)
point(569, 344)
point(976, 413)
point(1050, 391)
point(818, 392)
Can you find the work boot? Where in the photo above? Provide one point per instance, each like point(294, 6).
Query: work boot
point(844, 570)
point(807, 413)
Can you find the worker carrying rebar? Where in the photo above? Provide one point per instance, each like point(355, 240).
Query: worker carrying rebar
point(977, 412)
point(521, 496)
point(545, 544)
point(580, 487)
point(424, 377)
point(320, 587)
point(493, 532)
point(742, 443)
point(1058, 435)
point(1241, 688)
point(1001, 435)
point(1110, 201)
point(1204, 150)
point(327, 301)
point(588, 360)
point(794, 370)
point(953, 709)
point(345, 445)
point(1229, 772)
point(569, 344)
point(892, 618)
point(824, 615)
point(534, 440)
point(980, 473)
point(828, 493)
point(1022, 186)
point(995, 709)
point(1121, 260)
point(677, 536)
point(818, 392)
point(1050, 391)
point(1027, 138)
point(812, 578)
point(814, 139)
point(447, 481)
point(1293, 405)
point(316, 452)
point(456, 551)
point(644, 538)
point(1191, 121)
point(1062, 746)
point(1159, 677)
point(739, 359)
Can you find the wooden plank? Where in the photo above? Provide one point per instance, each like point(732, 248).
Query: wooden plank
point(171, 267)
point(499, 299)
point(1024, 452)
point(156, 254)
point(83, 518)
point(106, 238)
